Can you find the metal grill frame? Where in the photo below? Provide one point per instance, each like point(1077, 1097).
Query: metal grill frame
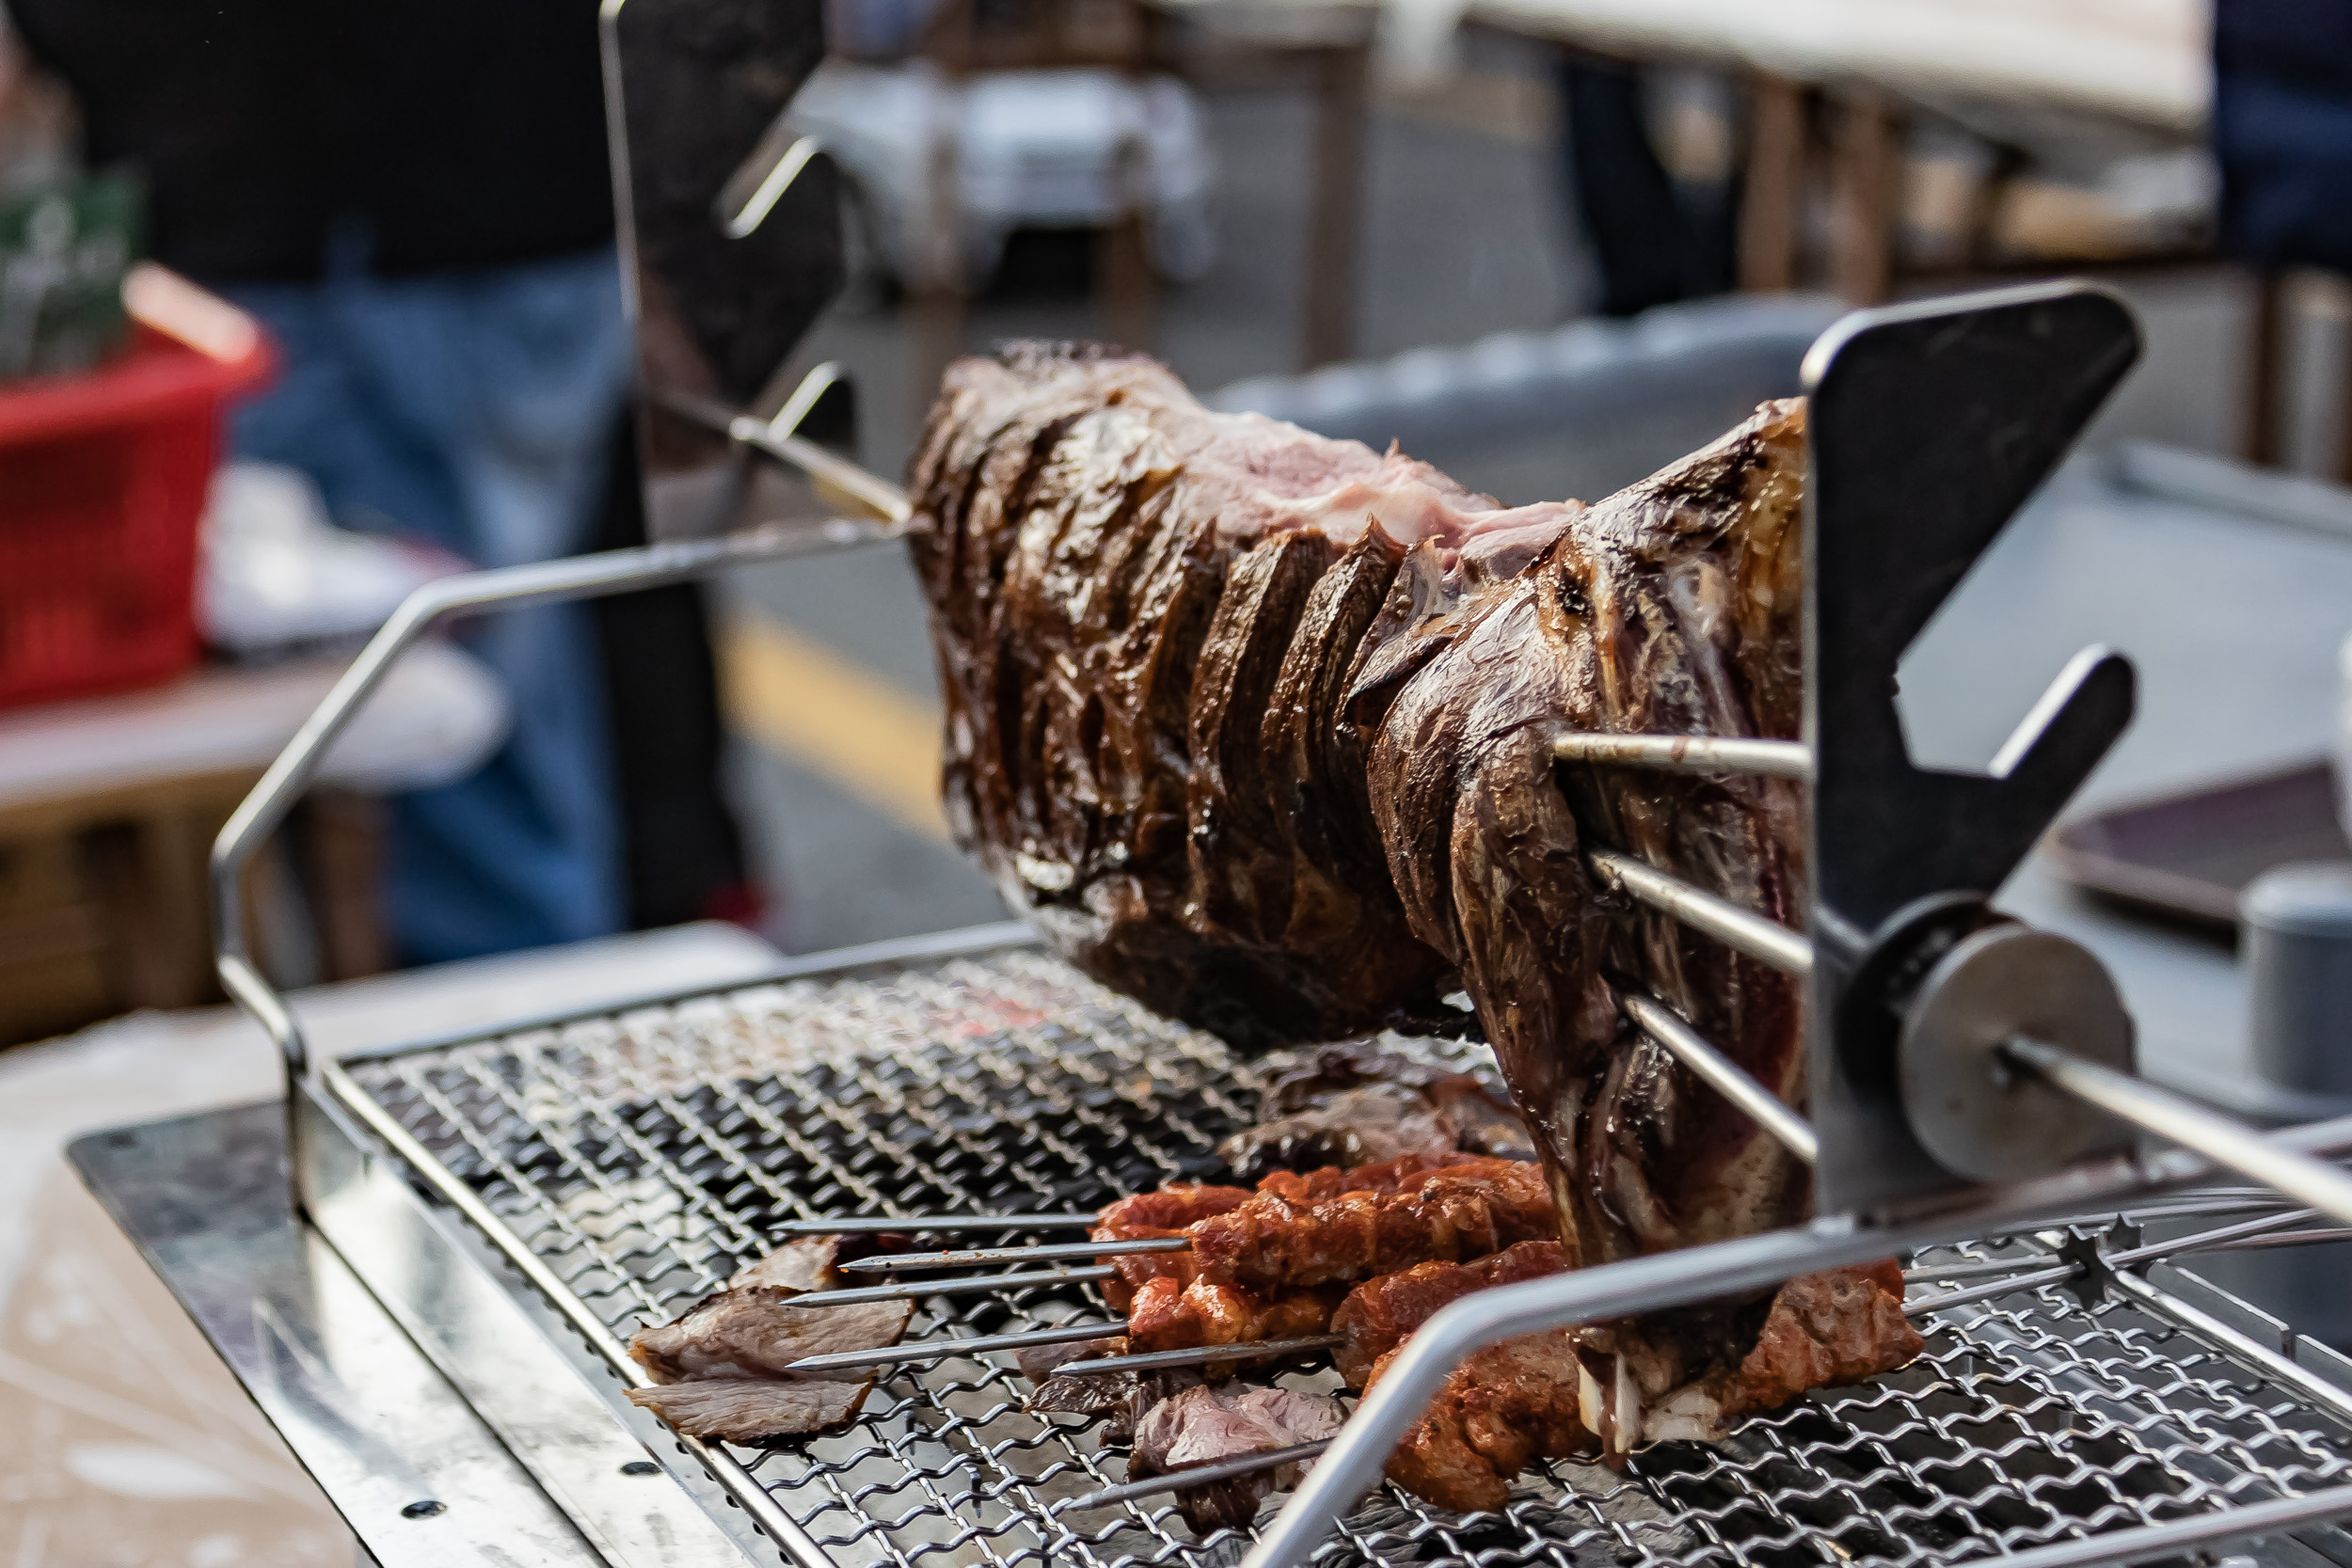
point(360, 1162)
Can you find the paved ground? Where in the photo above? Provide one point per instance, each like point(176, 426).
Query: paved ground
point(1464, 236)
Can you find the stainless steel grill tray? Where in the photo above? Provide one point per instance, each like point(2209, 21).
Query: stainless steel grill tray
point(638, 1158)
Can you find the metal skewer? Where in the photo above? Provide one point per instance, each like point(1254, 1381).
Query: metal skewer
point(973, 1285)
point(941, 1349)
point(1195, 1475)
point(1720, 1074)
point(922, 1225)
point(1765, 941)
point(2182, 1121)
point(1689, 753)
point(975, 1257)
point(1198, 1355)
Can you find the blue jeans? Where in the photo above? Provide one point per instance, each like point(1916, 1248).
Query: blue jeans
point(474, 410)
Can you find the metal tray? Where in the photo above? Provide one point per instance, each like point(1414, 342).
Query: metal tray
point(2188, 856)
point(539, 1192)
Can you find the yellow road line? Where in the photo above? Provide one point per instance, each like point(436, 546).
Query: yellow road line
point(828, 714)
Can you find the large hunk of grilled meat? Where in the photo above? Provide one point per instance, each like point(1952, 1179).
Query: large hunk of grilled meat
point(1258, 727)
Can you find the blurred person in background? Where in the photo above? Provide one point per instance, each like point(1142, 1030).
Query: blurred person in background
point(1654, 241)
point(2282, 131)
point(415, 201)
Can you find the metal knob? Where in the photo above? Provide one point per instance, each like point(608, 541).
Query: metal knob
point(1977, 1115)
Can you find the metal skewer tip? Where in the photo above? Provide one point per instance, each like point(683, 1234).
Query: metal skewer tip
point(975, 1257)
point(926, 1225)
point(970, 1286)
point(1689, 753)
point(942, 1350)
point(1195, 1475)
point(1200, 1356)
point(1766, 940)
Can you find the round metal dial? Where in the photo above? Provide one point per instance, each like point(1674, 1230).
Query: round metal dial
point(1979, 1118)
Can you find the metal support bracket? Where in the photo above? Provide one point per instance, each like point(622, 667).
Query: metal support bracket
point(1929, 426)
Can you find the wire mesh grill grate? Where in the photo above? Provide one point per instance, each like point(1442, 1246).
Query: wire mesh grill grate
point(643, 1156)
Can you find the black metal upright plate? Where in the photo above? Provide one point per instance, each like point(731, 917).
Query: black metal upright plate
point(696, 91)
point(1929, 424)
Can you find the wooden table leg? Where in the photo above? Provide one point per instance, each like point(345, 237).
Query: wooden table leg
point(1771, 195)
point(346, 865)
point(1865, 196)
point(1124, 288)
point(2265, 371)
point(1341, 75)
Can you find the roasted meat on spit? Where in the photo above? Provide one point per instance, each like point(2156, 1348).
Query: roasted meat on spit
point(1260, 728)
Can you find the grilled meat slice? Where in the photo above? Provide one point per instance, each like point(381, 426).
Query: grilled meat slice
point(1145, 616)
point(1377, 1315)
point(757, 1331)
point(1357, 1102)
point(721, 1364)
point(1673, 607)
point(753, 1411)
point(1503, 1409)
point(1203, 1425)
point(1823, 1331)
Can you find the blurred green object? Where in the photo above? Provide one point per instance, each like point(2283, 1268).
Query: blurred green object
point(63, 251)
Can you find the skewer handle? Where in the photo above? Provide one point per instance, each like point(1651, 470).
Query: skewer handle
point(1193, 1475)
point(970, 1286)
point(1200, 1356)
point(926, 1225)
point(974, 1258)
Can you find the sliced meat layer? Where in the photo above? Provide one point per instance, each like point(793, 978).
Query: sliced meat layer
point(753, 1410)
point(756, 1332)
point(1203, 1425)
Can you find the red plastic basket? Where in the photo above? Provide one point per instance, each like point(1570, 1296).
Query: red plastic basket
point(102, 479)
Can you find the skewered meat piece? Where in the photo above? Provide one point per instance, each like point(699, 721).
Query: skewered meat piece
point(1147, 617)
point(1203, 1425)
point(1357, 1102)
point(1602, 1391)
point(1377, 1315)
point(720, 1366)
point(1318, 1228)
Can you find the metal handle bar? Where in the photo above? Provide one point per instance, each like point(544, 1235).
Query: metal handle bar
point(543, 582)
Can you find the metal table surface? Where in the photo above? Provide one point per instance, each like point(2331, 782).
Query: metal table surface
point(418, 1476)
